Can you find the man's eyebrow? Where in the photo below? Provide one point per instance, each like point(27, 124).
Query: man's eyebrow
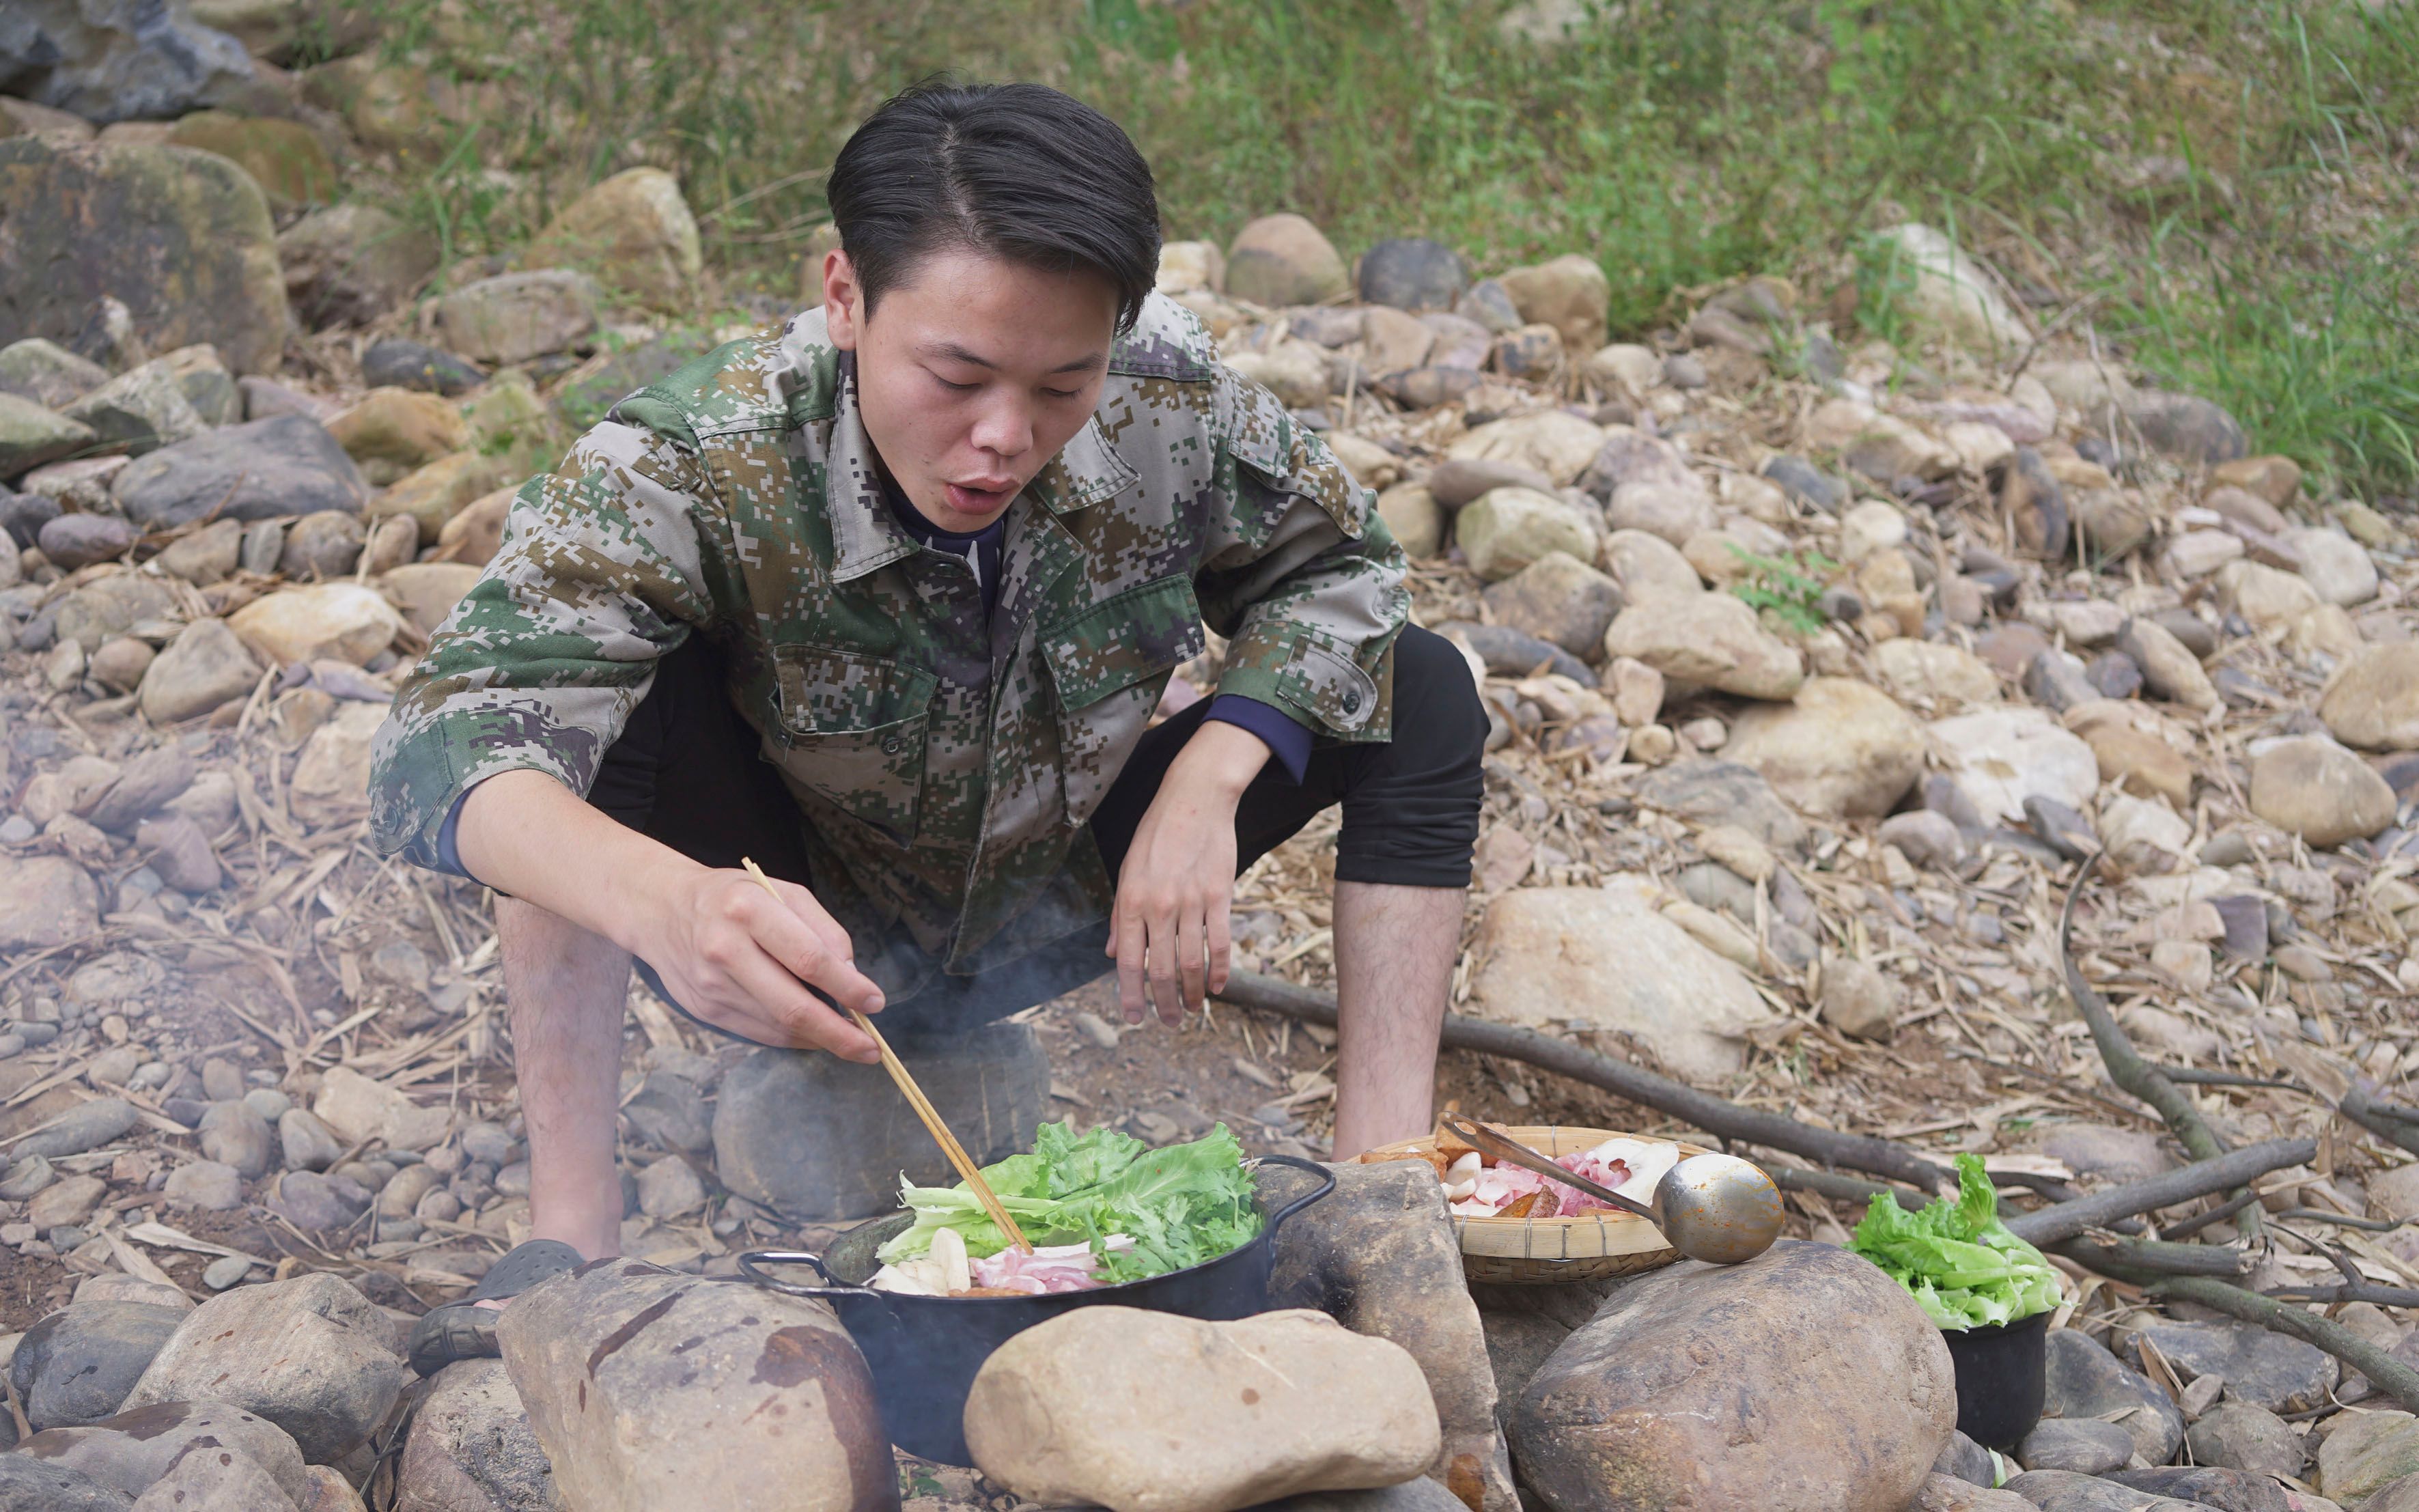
point(950, 349)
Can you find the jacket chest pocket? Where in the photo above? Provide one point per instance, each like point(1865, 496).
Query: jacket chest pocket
point(1109, 665)
point(852, 730)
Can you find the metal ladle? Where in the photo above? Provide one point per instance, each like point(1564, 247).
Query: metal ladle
point(1714, 1208)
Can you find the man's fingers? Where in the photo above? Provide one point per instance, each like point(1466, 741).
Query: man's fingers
point(809, 954)
point(1161, 975)
point(1191, 952)
point(1128, 937)
point(1221, 942)
point(812, 914)
point(802, 1019)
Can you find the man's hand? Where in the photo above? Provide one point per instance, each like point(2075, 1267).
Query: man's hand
point(736, 959)
point(727, 952)
point(1168, 930)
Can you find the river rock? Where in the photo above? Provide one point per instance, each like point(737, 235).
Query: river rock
point(140, 411)
point(1931, 671)
point(1569, 293)
point(330, 785)
point(1703, 1384)
point(2368, 1454)
point(183, 237)
point(635, 233)
point(1555, 443)
point(350, 264)
point(2169, 670)
point(85, 1126)
point(233, 1134)
point(73, 541)
point(306, 1143)
point(2271, 1370)
point(214, 1479)
point(31, 435)
point(1193, 1416)
point(359, 1109)
point(109, 62)
point(1458, 481)
point(404, 426)
point(45, 900)
point(47, 373)
point(649, 1389)
point(2064, 1490)
point(206, 1184)
point(285, 157)
point(310, 1355)
point(2083, 1445)
point(130, 1451)
point(1558, 598)
point(2372, 701)
point(1411, 513)
point(31, 1486)
point(1508, 529)
point(1379, 1256)
point(1998, 758)
point(1839, 748)
point(1284, 259)
point(515, 316)
point(77, 1363)
point(1647, 566)
point(2186, 426)
point(471, 1448)
point(395, 362)
point(1708, 641)
point(150, 779)
point(2319, 790)
point(321, 545)
point(1940, 287)
point(1676, 514)
point(1857, 1001)
point(343, 621)
point(1605, 959)
point(205, 667)
point(1412, 273)
point(260, 469)
point(433, 495)
point(2084, 1380)
point(2239, 1436)
point(315, 1203)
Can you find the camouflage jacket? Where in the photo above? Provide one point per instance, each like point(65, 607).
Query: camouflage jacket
point(943, 765)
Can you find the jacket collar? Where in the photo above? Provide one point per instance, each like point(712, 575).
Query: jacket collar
point(865, 534)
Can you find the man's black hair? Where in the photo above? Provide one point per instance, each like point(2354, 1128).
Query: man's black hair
point(1014, 170)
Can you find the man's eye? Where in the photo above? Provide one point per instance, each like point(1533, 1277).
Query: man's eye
point(1063, 393)
point(955, 388)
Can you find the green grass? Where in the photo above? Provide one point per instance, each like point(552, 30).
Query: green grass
point(1680, 143)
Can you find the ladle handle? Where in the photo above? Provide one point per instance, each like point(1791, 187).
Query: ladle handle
point(1521, 1155)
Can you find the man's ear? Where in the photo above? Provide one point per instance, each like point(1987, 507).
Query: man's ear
point(843, 300)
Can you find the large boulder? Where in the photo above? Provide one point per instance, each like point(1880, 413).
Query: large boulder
point(31, 435)
point(285, 157)
point(2084, 1380)
point(261, 470)
point(649, 1389)
point(1558, 598)
point(1945, 291)
point(634, 233)
point(353, 263)
point(2317, 790)
point(471, 1448)
point(1184, 1416)
point(312, 1355)
point(515, 316)
point(77, 1363)
point(118, 60)
point(1804, 1378)
point(205, 667)
point(2372, 701)
point(1570, 294)
point(1284, 259)
point(2000, 757)
point(1379, 1256)
point(1708, 641)
point(1412, 273)
point(2371, 1455)
point(45, 902)
point(1554, 442)
point(1604, 958)
point(1840, 749)
point(131, 1451)
point(1509, 528)
point(183, 237)
point(345, 621)
point(31, 1486)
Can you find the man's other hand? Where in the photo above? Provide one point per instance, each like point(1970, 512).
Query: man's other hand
point(1169, 928)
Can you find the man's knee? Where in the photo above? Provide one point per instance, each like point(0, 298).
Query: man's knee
point(1434, 700)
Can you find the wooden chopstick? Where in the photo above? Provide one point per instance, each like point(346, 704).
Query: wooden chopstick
point(956, 1152)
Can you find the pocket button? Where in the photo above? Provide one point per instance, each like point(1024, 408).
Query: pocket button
point(890, 747)
point(1352, 701)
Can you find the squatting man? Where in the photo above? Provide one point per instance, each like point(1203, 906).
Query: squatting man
point(886, 598)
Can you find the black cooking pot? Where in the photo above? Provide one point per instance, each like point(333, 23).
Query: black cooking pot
point(924, 1351)
point(2001, 1379)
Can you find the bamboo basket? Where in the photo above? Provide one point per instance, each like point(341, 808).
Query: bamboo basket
point(1545, 1251)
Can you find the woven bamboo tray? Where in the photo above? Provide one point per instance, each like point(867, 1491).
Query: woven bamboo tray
point(1544, 1251)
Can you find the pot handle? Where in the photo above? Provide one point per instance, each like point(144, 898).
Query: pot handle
point(751, 1263)
point(1326, 1186)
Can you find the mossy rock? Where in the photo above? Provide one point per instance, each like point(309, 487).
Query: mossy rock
point(286, 159)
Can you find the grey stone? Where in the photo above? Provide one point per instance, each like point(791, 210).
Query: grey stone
point(73, 541)
point(2239, 1436)
point(1379, 1256)
point(2084, 1445)
point(141, 410)
point(351, 264)
point(119, 60)
point(310, 1354)
point(2084, 1380)
point(47, 373)
point(1651, 1395)
point(85, 1126)
point(77, 1364)
point(214, 1479)
point(1510, 653)
point(1807, 483)
point(312, 1202)
point(27, 1175)
point(264, 398)
point(818, 1138)
point(2059, 681)
point(175, 846)
point(131, 1451)
point(629, 1374)
point(31, 1486)
point(2063, 1491)
point(150, 779)
point(31, 436)
point(260, 469)
point(1421, 1495)
point(205, 667)
point(226, 1271)
point(2114, 674)
point(1412, 273)
point(669, 1112)
point(515, 316)
point(1560, 599)
point(2186, 426)
point(2215, 1485)
point(210, 1185)
point(1967, 1461)
point(1458, 481)
point(471, 1448)
point(1489, 303)
point(235, 1135)
point(308, 1145)
point(321, 545)
point(1723, 792)
point(264, 545)
point(395, 362)
point(1927, 838)
point(2266, 1369)
point(23, 515)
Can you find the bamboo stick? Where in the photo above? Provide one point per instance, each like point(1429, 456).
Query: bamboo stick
point(956, 1152)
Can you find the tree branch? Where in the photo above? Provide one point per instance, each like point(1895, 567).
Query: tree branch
point(2235, 1169)
point(2126, 1067)
point(2386, 1373)
point(1718, 1115)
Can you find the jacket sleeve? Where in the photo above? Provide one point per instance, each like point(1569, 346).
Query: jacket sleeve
point(1303, 578)
point(604, 568)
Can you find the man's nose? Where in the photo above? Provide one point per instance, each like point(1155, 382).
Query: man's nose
point(1005, 427)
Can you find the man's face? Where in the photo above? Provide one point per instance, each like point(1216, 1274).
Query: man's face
point(972, 372)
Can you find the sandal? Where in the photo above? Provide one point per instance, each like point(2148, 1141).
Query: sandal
point(465, 1331)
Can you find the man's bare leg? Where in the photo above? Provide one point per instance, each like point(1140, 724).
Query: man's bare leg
point(1394, 951)
point(567, 989)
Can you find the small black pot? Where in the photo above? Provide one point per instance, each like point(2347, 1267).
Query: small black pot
point(1999, 1380)
point(924, 1351)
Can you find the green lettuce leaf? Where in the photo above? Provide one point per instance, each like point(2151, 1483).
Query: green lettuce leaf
point(1959, 1262)
point(1181, 1205)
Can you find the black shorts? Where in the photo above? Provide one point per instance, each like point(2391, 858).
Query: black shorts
point(687, 771)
